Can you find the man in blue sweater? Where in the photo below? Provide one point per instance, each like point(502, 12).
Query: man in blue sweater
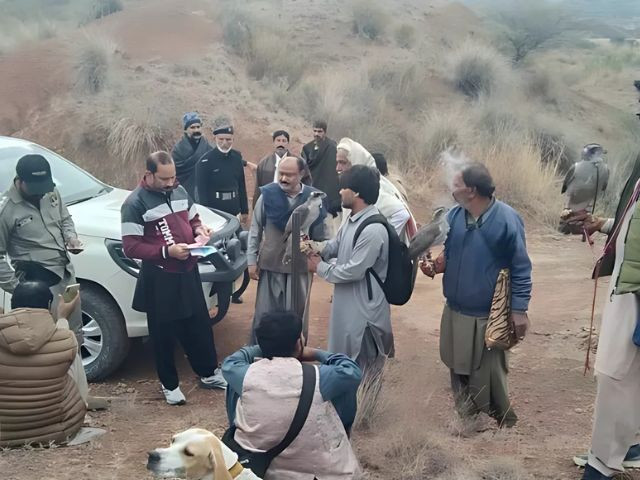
point(485, 236)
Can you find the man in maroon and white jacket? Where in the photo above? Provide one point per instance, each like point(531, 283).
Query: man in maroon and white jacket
point(159, 220)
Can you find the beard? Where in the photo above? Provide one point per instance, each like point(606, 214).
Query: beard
point(224, 150)
point(196, 135)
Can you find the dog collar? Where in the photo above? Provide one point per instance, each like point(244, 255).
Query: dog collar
point(236, 470)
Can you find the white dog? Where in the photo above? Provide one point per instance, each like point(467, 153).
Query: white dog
point(197, 454)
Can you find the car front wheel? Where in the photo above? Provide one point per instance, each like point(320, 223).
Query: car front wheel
point(106, 342)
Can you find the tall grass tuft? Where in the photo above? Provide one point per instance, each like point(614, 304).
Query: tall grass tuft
point(369, 19)
point(478, 70)
point(93, 63)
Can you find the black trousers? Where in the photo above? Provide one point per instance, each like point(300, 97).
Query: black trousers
point(196, 337)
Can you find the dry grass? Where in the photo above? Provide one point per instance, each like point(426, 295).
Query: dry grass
point(436, 133)
point(405, 35)
point(370, 403)
point(130, 139)
point(418, 455)
point(614, 58)
point(102, 8)
point(273, 58)
point(478, 70)
point(522, 180)
point(402, 84)
point(541, 85)
point(237, 31)
point(369, 19)
point(269, 55)
point(93, 64)
point(503, 468)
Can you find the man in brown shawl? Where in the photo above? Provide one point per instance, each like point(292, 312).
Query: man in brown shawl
point(320, 155)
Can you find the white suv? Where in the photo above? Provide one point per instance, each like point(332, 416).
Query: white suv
point(106, 275)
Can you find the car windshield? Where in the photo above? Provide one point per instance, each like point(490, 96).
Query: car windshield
point(74, 184)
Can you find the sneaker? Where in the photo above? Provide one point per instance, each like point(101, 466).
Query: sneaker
point(174, 397)
point(591, 473)
point(631, 460)
point(214, 381)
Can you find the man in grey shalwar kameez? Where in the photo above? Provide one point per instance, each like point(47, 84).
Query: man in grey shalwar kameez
point(360, 327)
point(267, 242)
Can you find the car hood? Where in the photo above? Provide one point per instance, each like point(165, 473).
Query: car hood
point(100, 216)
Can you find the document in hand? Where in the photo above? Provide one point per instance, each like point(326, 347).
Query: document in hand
point(201, 250)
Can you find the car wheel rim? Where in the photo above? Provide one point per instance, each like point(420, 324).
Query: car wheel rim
point(92, 339)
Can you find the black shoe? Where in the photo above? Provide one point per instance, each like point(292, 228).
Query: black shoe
point(237, 300)
point(591, 473)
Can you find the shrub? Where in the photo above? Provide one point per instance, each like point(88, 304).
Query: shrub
point(102, 8)
point(237, 32)
point(435, 134)
point(402, 84)
point(369, 20)
point(419, 455)
point(542, 86)
point(615, 58)
point(273, 58)
point(405, 35)
point(477, 70)
point(93, 63)
point(131, 140)
point(503, 468)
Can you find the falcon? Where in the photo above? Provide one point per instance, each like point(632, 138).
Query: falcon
point(586, 179)
point(433, 233)
point(310, 212)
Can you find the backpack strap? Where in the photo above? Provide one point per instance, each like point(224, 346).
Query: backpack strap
point(377, 218)
point(302, 412)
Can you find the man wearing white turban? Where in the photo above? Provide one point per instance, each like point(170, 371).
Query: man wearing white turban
point(390, 203)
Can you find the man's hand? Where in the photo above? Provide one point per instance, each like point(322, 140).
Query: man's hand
point(203, 230)
point(252, 166)
point(308, 355)
point(432, 267)
point(594, 224)
point(313, 261)
point(74, 245)
point(428, 267)
point(244, 219)
point(179, 251)
point(254, 272)
point(65, 309)
point(579, 222)
point(520, 323)
point(311, 246)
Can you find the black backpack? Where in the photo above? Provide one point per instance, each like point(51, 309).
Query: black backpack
point(401, 272)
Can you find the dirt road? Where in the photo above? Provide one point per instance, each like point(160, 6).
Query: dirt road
point(551, 396)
